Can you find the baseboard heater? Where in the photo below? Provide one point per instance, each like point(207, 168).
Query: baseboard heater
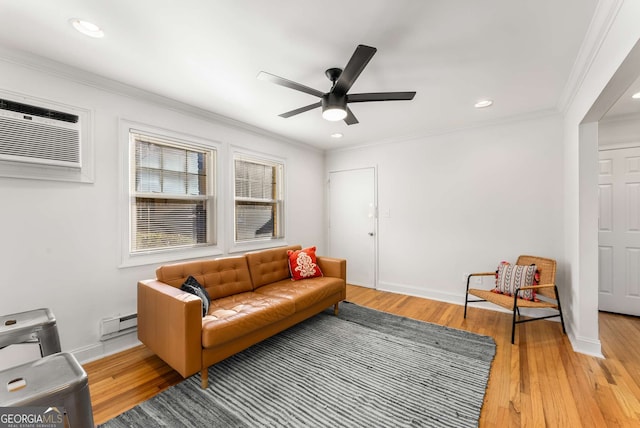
point(117, 326)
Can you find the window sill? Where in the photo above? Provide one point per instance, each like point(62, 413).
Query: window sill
point(167, 256)
point(257, 245)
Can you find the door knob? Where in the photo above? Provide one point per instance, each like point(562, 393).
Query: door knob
point(370, 233)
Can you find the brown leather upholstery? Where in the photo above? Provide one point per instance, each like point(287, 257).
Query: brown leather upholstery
point(170, 324)
point(305, 292)
point(221, 277)
point(215, 354)
point(252, 298)
point(235, 316)
point(330, 266)
point(269, 266)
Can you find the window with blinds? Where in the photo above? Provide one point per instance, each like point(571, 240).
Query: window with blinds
point(258, 199)
point(171, 195)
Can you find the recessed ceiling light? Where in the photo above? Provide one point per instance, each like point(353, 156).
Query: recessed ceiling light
point(87, 28)
point(483, 103)
point(337, 135)
point(636, 96)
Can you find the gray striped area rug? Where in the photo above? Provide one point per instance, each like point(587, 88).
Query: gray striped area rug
point(364, 368)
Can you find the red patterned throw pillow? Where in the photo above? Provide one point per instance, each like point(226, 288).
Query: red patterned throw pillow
point(303, 264)
point(509, 277)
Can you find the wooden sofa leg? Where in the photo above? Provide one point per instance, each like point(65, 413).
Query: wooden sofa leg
point(335, 309)
point(204, 375)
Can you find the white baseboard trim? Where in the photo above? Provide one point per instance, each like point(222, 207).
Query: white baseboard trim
point(99, 350)
point(582, 345)
point(585, 345)
point(455, 299)
point(411, 290)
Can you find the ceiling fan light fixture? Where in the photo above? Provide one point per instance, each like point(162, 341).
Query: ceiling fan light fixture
point(334, 114)
point(334, 107)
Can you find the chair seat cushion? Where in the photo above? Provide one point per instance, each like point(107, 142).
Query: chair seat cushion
point(507, 301)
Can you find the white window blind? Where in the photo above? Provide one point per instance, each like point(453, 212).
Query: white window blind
point(258, 199)
point(171, 195)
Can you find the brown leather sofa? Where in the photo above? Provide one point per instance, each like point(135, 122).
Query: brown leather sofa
point(252, 298)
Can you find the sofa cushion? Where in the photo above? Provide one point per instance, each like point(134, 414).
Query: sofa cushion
point(267, 266)
point(303, 264)
point(234, 316)
point(304, 293)
point(221, 277)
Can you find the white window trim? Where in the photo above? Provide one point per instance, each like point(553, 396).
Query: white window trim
point(258, 244)
point(129, 259)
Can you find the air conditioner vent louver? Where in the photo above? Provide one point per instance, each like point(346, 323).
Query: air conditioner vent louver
point(25, 140)
point(39, 135)
point(37, 111)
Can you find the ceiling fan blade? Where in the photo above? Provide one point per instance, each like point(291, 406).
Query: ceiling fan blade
point(380, 96)
point(354, 67)
point(300, 110)
point(351, 118)
point(263, 75)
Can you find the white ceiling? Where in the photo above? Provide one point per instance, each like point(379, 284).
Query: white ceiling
point(626, 105)
point(207, 54)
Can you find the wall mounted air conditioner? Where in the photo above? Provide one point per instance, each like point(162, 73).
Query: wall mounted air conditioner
point(39, 135)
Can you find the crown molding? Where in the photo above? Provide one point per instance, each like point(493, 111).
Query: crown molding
point(600, 25)
point(539, 114)
point(629, 117)
point(86, 78)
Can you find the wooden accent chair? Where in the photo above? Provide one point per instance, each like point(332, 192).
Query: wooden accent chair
point(547, 290)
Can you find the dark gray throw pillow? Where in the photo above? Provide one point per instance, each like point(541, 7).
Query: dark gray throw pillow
point(191, 285)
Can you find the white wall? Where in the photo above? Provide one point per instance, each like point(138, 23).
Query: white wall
point(464, 201)
point(619, 130)
point(431, 238)
point(581, 214)
point(59, 246)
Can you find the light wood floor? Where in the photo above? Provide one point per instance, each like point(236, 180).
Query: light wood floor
point(538, 382)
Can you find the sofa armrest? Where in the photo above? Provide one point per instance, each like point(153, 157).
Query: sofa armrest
point(330, 266)
point(170, 324)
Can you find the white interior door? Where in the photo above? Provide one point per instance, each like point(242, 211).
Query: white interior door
point(619, 231)
point(352, 223)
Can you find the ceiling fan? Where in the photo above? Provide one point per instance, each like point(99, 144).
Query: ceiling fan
point(334, 103)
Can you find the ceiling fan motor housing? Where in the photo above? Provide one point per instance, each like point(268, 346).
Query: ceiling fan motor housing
point(334, 100)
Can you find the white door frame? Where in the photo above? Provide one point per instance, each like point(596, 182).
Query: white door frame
point(375, 216)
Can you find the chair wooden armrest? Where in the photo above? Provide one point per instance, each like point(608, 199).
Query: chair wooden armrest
point(478, 274)
point(483, 274)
